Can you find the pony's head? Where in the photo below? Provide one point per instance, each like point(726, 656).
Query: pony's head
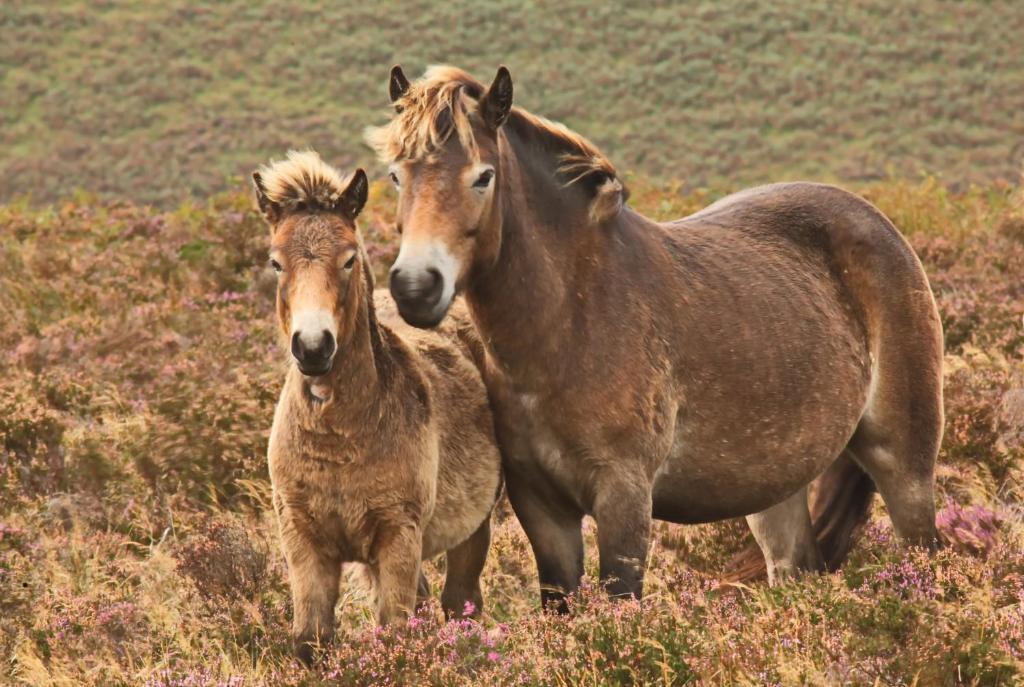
point(317, 254)
point(445, 153)
point(442, 152)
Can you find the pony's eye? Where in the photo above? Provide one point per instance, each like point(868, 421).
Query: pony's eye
point(484, 180)
point(276, 265)
point(351, 261)
point(394, 178)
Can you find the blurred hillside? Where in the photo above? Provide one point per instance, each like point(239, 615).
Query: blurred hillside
point(146, 100)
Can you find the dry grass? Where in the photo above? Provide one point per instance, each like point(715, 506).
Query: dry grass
point(140, 365)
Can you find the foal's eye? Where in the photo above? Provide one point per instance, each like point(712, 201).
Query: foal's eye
point(276, 265)
point(351, 261)
point(484, 180)
point(394, 178)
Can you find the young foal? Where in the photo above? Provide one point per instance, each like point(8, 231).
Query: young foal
point(694, 370)
point(382, 449)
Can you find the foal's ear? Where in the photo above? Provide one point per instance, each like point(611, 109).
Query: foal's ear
point(397, 85)
point(496, 103)
point(353, 198)
point(271, 210)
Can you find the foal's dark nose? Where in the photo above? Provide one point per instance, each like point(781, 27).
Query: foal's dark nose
point(314, 359)
point(417, 293)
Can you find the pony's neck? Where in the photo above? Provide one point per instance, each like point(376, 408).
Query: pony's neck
point(357, 380)
point(520, 300)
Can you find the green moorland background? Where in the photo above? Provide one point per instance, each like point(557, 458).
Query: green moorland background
point(140, 362)
point(152, 98)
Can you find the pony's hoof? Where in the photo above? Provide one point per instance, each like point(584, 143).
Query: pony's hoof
point(304, 651)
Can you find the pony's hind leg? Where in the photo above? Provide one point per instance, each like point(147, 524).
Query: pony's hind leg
point(898, 437)
point(901, 464)
point(785, 536)
point(465, 563)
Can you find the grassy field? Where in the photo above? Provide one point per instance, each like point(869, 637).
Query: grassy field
point(140, 361)
point(140, 365)
point(150, 100)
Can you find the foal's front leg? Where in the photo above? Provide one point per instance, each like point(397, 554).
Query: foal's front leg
point(313, 577)
point(622, 509)
point(397, 555)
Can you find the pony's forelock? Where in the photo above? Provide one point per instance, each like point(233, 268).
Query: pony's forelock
point(440, 104)
point(431, 110)
point(302, 178)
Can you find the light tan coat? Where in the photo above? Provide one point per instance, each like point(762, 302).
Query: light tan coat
point(389, 456)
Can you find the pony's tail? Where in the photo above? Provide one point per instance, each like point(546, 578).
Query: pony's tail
point(840, 506)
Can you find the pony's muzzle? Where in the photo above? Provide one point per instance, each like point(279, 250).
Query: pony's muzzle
point(418, 295)
point(314, 354)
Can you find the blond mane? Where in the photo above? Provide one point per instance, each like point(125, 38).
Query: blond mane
point(302, 178)
point(432, 109)
point(440, 104)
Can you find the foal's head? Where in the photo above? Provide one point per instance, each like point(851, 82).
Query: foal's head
point(315, 250)
point(448, 150)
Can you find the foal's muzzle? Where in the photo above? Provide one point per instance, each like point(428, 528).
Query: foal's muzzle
point(314, 358)
point(418, 295)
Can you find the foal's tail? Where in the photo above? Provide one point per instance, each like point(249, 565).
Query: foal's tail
point(841, 503)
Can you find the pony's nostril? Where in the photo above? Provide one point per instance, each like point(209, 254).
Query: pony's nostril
point(327, 345)
point(433, 290)
point(297, 350)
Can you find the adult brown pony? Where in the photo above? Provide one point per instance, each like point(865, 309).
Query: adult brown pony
point(695, 370)
point(382, 450)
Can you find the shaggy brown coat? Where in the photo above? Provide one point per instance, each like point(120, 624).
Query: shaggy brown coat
point(389, 457)
point(694, 370)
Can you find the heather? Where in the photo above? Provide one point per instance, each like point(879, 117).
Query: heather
point(140, 363)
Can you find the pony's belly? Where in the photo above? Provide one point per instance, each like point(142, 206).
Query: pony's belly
point(684, 499)
point(702, 482)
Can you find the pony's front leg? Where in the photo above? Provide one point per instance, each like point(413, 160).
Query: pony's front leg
point(398, 550)
point(554, 529)
point(313, 578)
point(622, 509)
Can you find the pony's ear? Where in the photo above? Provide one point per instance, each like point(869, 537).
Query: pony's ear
point(271, 210)
point(496, 103)
point(353, 198)
point(397, 85)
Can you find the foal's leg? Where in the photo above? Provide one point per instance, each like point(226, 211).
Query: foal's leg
point(422, 592)
point(555, 534)
point(313, 578)
point(786, 537)
point(397, 552)
point(622, 509)
point(462, 580)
